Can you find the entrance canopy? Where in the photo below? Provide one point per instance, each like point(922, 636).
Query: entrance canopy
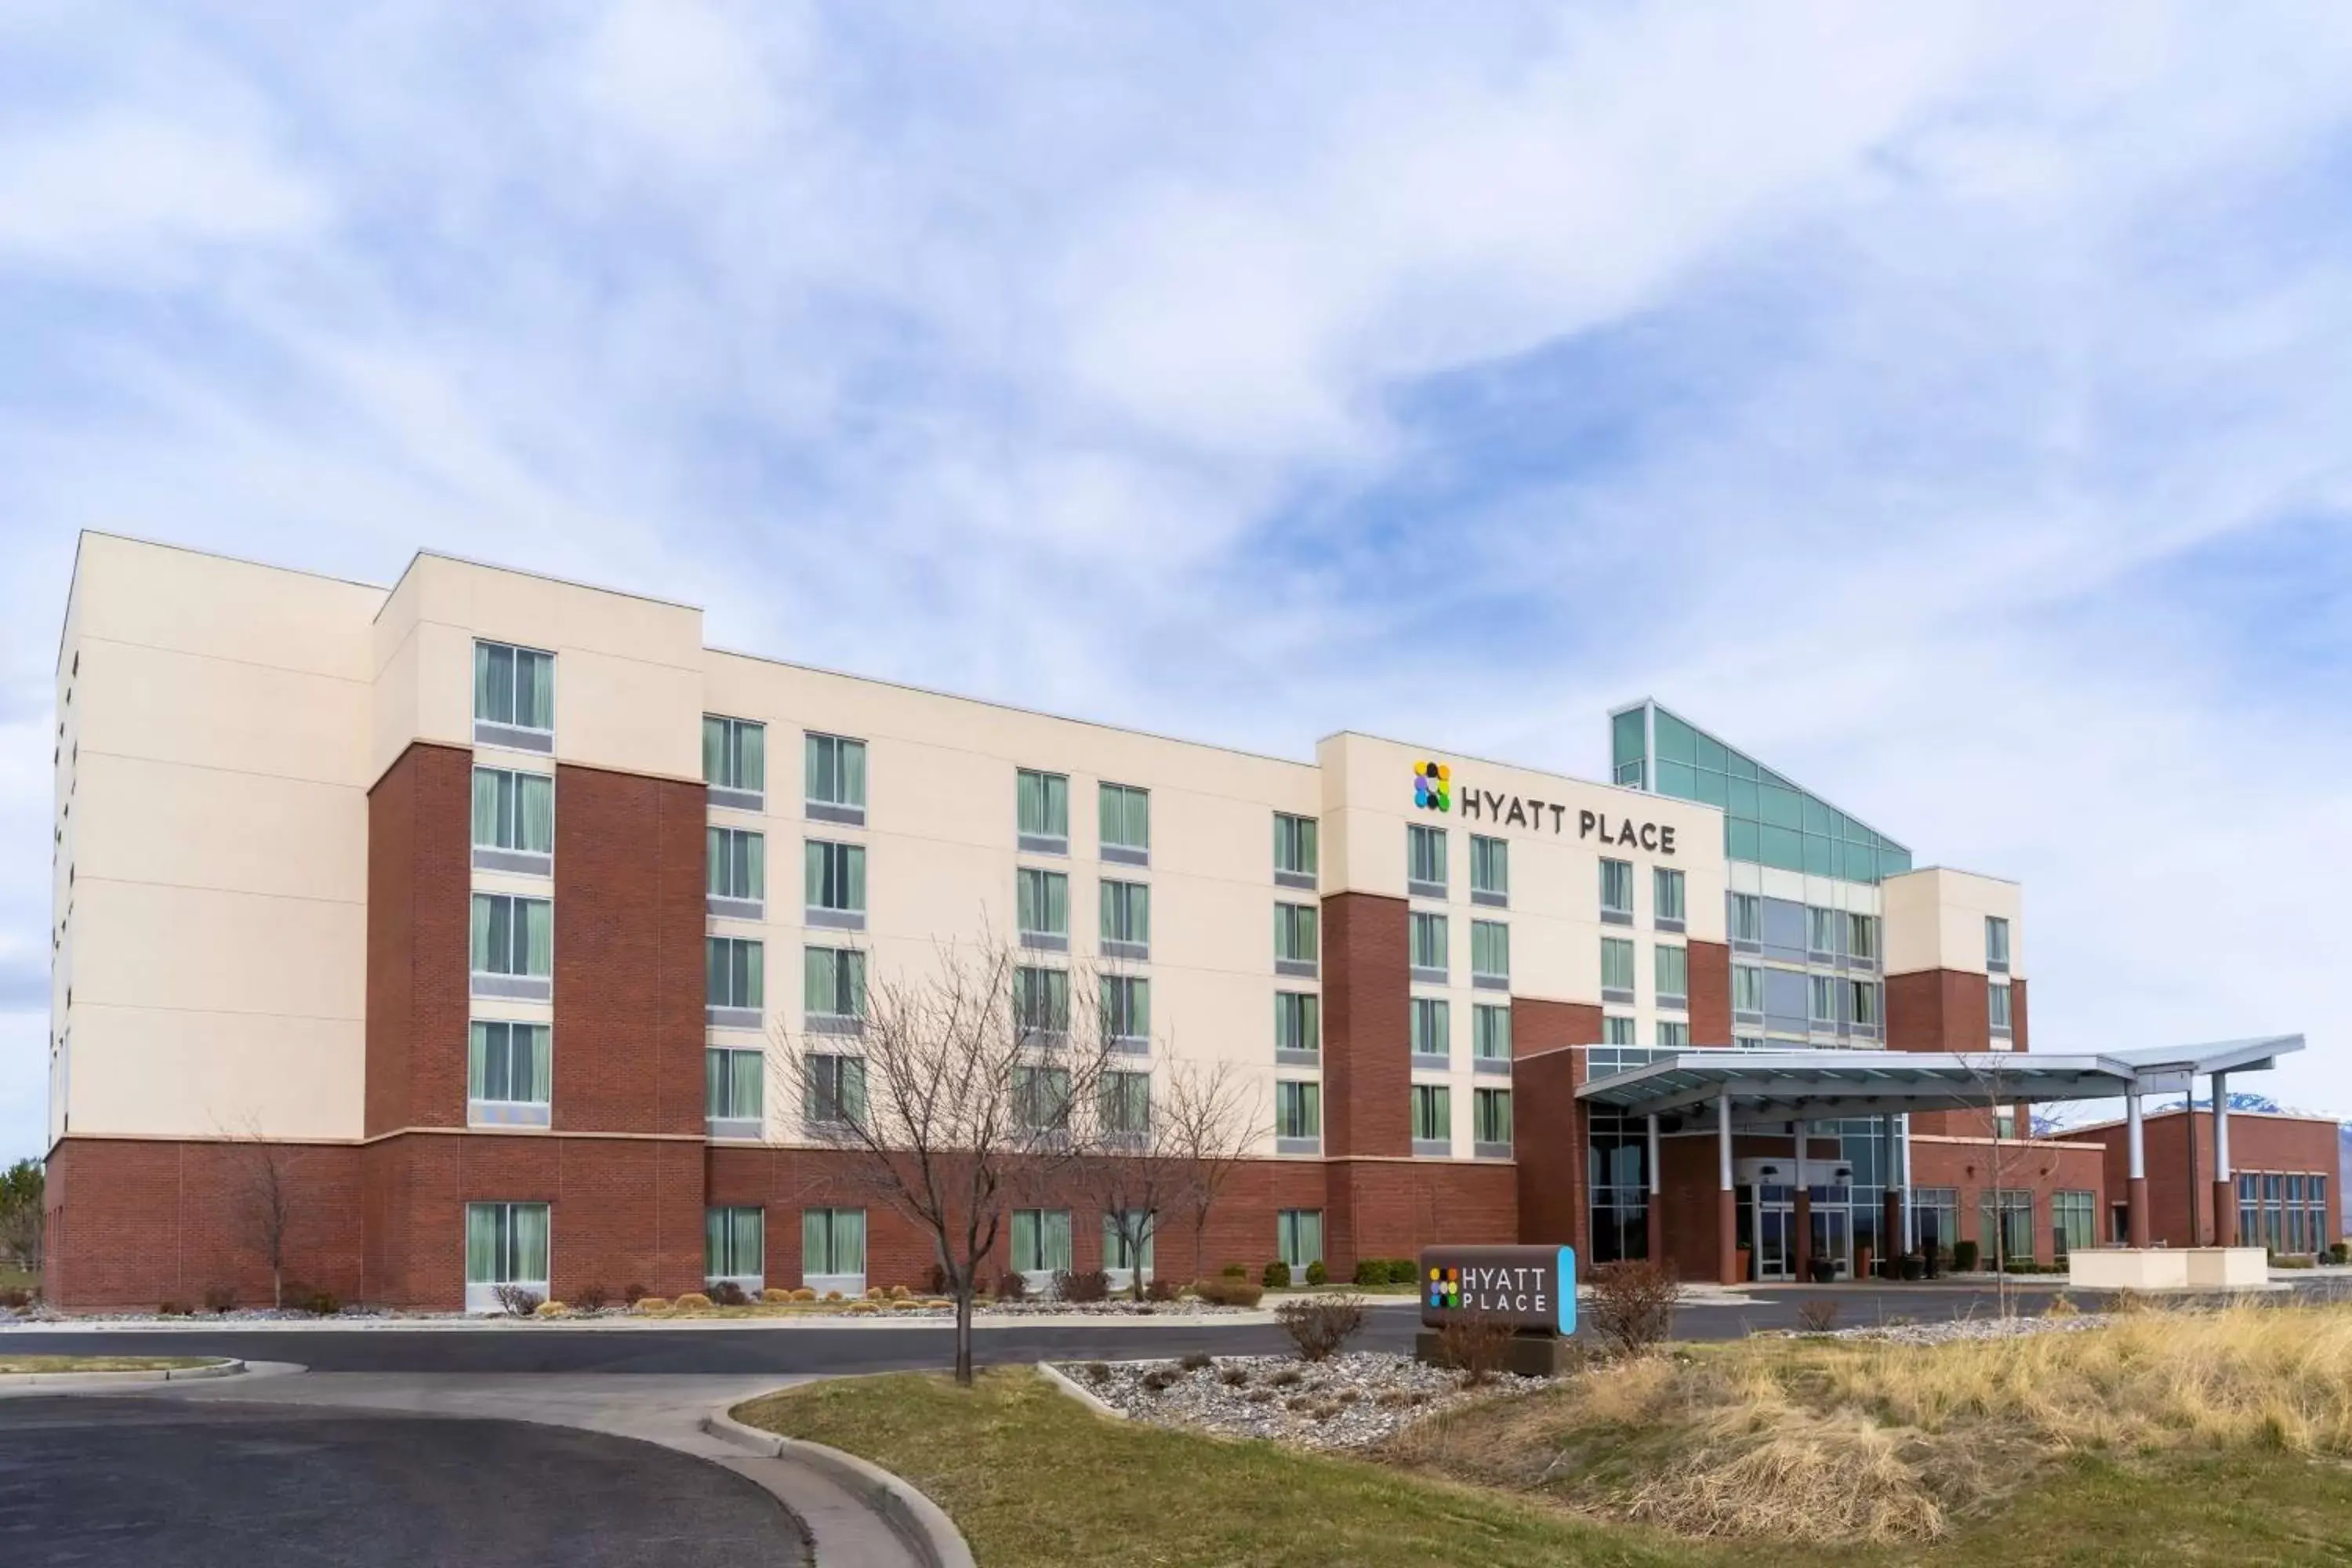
point(1772, 1086)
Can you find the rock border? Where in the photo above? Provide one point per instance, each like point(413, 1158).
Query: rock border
point(914, 1517)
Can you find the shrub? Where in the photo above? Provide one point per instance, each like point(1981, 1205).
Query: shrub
point(774, 1296)
point(692, 1301)
point(1288, 1377)
point(548, 1310)
point(1158, 1380)
point(1633, 1304)
point(15, 1299)
point(2291, 1261)
point(1012, 1285)
point(1229, 1292)
point(589, 1298)
point(517, 1301)
point(322, 1304)
point(2062, 1306)
point(728, 1294)
point(833, 1296)
point(1476, 1345)
point(1371, 1271)
point(649, 1304)
point(900, 1293)
point(1260, 1396)
point(634, 1294)
point(1817, 1317)
point(1233, 1271)
point(1233, 1377)
point(1160, 1289)
point(1096, 1372)
point(1403, 1270)
point(220, 1299)
point(1197, 1361)
point(1276, 1276)
point(174, 1309)
point(1082, 1285)
point(863, 1305)
point(1964, 1258)
point(1320, 1325)
point(1316, 1274)
point(2339, 1252)
point(876, 1293)
point(802, 1293)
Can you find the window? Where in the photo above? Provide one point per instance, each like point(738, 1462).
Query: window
point(1041, 1241)
point(735, 1245)
point(833, 774)
point(514, 812)
point(1490, 870)
point(832, 1247)
point(1746, 988)
point(1935, 1216)
point(1294, 944)
point(1821, 929)
point(1748, 1042)
point(1673, 974)
point(1617, 891)
point(1127, 1240)
point(1674, 1034)
point(1125, 824)
point(506, 1244)
point(1617, 966)
point(1044, 812)
point(1821, 991)
point(1490, 1120)
point(1041, 1098)
point(834, 1089)
point(732, 1081)
point(1042, 905)
point(834, 884)
point(514, 687)
point(1863, 997)
point(1299, 1238)
point(738, 862)
point(1862, 937)
point(1490, 1034)
point(1298, 1022)
point(1433, 1119)
point(832, 984)
point(1295, 851)
point(735, 762)
point(1433, 1027)
point(1126, 919)
point(737, 978)
point(1996, 943)
point(1041, 1001)
point(509, 1072)
point(1127, 1007)
point(1428, 948)
point(1424, 855)
point(1490, 953)
point(1125, 1104)
point(2014, 1235)
point(1747, 917)
point(513, 945)
point(1997, 1006)
point(1666, 889)
point(1616, 1031)
point(1298, 1112)
point(2074, 1219)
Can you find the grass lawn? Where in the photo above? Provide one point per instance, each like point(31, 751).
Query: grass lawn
point(1034, 1480)
point(14, 1279)
point(24, 1363)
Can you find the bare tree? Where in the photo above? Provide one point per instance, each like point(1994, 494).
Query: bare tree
point(962, 1090)
point(265, 1203)
point(1989, 1073)
point(1212, 1111)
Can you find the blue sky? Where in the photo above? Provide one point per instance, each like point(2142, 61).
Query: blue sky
point(1944, 402)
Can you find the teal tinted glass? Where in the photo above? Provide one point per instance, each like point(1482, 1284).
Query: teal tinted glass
point(1817, 854)
point(1781, 807)
point(1626, 738)
point(1740, 839)
point(1713, 788)
point(1711, 753)
point(1892, 859)
point(1817, 815)
point(1677, 742)
point(1679, 780)
point(1782, 847)
point(1742, 802)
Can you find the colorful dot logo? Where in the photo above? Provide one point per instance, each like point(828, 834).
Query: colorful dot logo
point(1445, 1289)
point(1432, 786)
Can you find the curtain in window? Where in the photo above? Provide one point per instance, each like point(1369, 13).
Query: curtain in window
point(1491, 1032)
point(535, 808)
point(482, 1243)
point(743, 1075)
point(714, 1083)
point(1490, 948)
point(751, 757)
point(818, 992)
point(714, 750)
point(1493, 1113)
point(1673, 971)
point(1616, 963)
point(1669, 892)
point(1293, 843)
point(530, 1242)
point(539, 1061)
point(1043, 902)
point(485, 910)
point(535, 701)
point(485, 806)
point(1299, 1236)
point(1044, 805)
point(478, 1065)
point(536, 917)
point(487, 684)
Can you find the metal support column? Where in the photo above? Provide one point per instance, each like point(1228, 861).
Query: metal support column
point(1727, 1217)
point(1655, 1208)
point(1802, 1220)
point(2135, 1180)
point(2225, 1182)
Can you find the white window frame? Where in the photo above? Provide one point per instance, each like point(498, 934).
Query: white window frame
point(482, 1295)
point(752, 1281)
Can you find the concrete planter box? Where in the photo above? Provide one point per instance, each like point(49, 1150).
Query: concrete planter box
point(2168, 1269)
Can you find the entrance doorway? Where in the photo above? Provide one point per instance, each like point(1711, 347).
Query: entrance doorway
point(1774, 1213)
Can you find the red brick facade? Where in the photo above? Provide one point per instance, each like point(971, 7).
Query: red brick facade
point(2259, 1143)
point(2039, 1167)
point(1367, 1029)
point(1710, 992)
point(420, 877)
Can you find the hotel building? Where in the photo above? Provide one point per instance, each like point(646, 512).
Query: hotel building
point(469, 903)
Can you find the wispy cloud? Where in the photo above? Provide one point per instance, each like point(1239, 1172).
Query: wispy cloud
point(1945, 402)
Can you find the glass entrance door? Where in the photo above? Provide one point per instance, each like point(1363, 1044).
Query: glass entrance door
point(1834, 1232)
point(1775, 1233)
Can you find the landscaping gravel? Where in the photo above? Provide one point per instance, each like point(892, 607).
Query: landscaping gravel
point(1971, 1329)
point(1348, 1402)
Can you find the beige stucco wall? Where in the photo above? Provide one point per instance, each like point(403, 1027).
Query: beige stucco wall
point(1934, 920)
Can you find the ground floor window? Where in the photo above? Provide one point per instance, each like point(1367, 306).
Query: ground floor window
point(1935, 1219)
point(832, 1250)
point(2073, 1217)
point(1127, 1238)
point(1616, 1163)
point(2286, 1212)
point(506, 1244)
point(1040, 1241)
point(1299, 1238)
point(2012, 1210)
point(735, 1245)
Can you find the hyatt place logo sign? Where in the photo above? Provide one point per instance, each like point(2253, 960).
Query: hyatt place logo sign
point(1433, 790)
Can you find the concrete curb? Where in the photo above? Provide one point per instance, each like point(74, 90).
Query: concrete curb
point(915, 1519)
point(627, 1325)
point(1062, 1382)
point(229, 1368)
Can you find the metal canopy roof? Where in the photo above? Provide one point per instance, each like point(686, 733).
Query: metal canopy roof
point(1787, 1085)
